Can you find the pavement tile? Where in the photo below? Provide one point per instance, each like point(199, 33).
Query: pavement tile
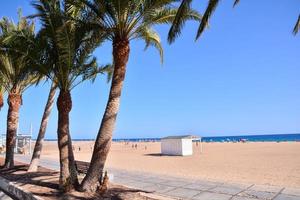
point(228, 189)
point(139, 185)
point(122, 181)
point(211, 196)
point(258, 194)
point(175, 183)
point(182, 193)
point(200, 186)
point(208, 182)
point(266, 188)
point(158, 188)
point(243, 198)
point(156, 180)
point(291, 191)
point(137, 178)
point(168, 178)
point(287, 197)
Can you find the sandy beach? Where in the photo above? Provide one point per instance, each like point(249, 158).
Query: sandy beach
point(260, 162)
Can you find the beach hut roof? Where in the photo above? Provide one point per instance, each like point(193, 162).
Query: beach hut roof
point(182, 137)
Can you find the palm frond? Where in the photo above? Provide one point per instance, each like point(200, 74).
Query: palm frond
point(69, 40)
point(178, 22)
point(212, 5)
point(133, 19)
point(236, 2)
point(17, 54)
point(151, 38)
point(297, 26)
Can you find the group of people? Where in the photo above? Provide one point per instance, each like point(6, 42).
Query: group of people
point(134, 146)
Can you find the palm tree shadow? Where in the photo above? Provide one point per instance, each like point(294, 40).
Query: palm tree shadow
point(40, 178)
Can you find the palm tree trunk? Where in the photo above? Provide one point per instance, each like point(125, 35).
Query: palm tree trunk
point(1, 100)
point(68, 176)
point(40, 139)
point(14, 103)
point(104, 137)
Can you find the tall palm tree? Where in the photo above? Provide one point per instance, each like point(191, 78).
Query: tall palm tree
point(16, 74)
point(121, 21)
point(33, 166)
point(16, 61)
point(179, 20)
point(68, 62)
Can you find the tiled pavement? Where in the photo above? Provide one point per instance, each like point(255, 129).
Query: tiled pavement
point(202, 190)
point(179, 188)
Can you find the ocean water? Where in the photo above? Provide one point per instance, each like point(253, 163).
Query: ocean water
point(250, 138)
point(255, 138)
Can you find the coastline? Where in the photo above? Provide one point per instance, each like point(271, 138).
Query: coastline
point(294, 137)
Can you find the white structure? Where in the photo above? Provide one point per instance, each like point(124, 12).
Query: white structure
point(178, 145)
point(23, 142)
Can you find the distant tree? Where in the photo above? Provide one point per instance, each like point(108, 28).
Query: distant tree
point(122, 21)
point(179, 20)
point(69, 44)
point(15, 71)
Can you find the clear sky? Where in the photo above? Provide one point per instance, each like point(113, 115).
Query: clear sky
point(241, 77)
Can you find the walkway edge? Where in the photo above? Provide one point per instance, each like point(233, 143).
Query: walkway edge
point(16, 191)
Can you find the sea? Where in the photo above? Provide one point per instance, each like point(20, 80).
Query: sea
point(248, 138)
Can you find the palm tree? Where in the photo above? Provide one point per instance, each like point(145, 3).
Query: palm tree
point(179, 20)
point(121, 21)
point(68, 62)
point(33, 166)
point(16, 74)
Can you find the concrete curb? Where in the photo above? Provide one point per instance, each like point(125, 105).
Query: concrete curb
point(16, 191)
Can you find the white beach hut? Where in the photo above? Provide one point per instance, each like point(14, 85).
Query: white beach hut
point(178, 145)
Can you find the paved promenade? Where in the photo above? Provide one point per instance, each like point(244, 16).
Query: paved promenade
point(178, 188)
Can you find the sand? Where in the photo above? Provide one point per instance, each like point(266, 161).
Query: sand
point(257, 163)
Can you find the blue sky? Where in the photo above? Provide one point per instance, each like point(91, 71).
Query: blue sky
point(241, 77)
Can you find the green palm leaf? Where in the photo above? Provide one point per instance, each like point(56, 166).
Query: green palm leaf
point(17, 54)
point(68, 42)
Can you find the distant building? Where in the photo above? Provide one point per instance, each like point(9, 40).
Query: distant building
point(178, 145)
point(23, 144)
